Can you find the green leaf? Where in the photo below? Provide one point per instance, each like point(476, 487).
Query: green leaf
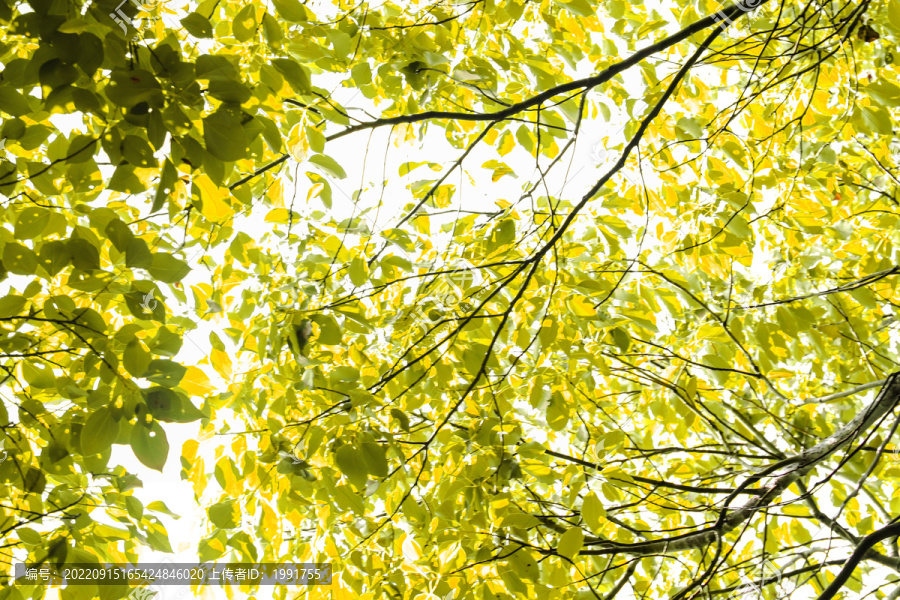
point(593, 512)
point(229, 91)
point(524, 564)
point(504, 233)
point(297, 75)
point(167, 268)
point(150, 445)
point(272, 29)
point(29, 536)
point(144, 306)
point(165, 187)
point(55, 74)
point(85, 255)
point(138, 152)
point(75, 25)
point(621, 338)
point(11, 305)
point(13, 129)
point(894, 14)
point(136, 358)
point(137, 254)
point(216, 67)
point(99, 432)
point(352, 464)
point(31, 222)
point(358, 271)
point(877, 119)
point(225, 515)
point(165, 372)
point(210, 549)
point(557, 412)
point(520, 520)
point(361, 73)
point(582, 8)
point(160, 507)
point(163, 403)
point(125, 180)
point(12, 102)
point(39, 376)
point(245, 24)
point(128, 88)
point(316, 139)
point(197, 25)
point(19, 260)
point(690, 126)
point(170, 407)
point(374, 459)
point(119, 234)
point(886, 92)
point(34, 481)
point(401, 418)
point(158, 540)
point(166, 343)
point(54, 256)
point(329, 165)
point(570, 543)
point(290, 10)
point(134, 507)
point(329, 330)
point(224, 136)
point(616, 9)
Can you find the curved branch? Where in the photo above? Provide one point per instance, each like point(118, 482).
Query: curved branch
point(732, 12)
point(864, 546)
point(805, 461)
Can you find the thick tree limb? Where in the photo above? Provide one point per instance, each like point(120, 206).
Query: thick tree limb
point(873, 555)
point(864, 546)
point(845, 393)
point(587, 83)
point(621, 583)
point(802, 463)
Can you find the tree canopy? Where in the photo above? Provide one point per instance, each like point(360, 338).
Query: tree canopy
point(478, 375)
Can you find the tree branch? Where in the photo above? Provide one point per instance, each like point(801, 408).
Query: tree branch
point(865, 545)
point(845, 393)
point(587, 83)
point(805, 461)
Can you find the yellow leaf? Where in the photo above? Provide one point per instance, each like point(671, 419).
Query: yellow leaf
point(216, 206)
point(277, 215)
point(449, 555)
point(779, 374)
point(506, 144)
point(411, 549)
point(189, 449)
point(314, 191)
point(227, 477)
point(795, 510)
point(683, 471)
point(195, 382)
point(298, 143)
point(581, 307)
point(110, 533)
point(221, 362)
